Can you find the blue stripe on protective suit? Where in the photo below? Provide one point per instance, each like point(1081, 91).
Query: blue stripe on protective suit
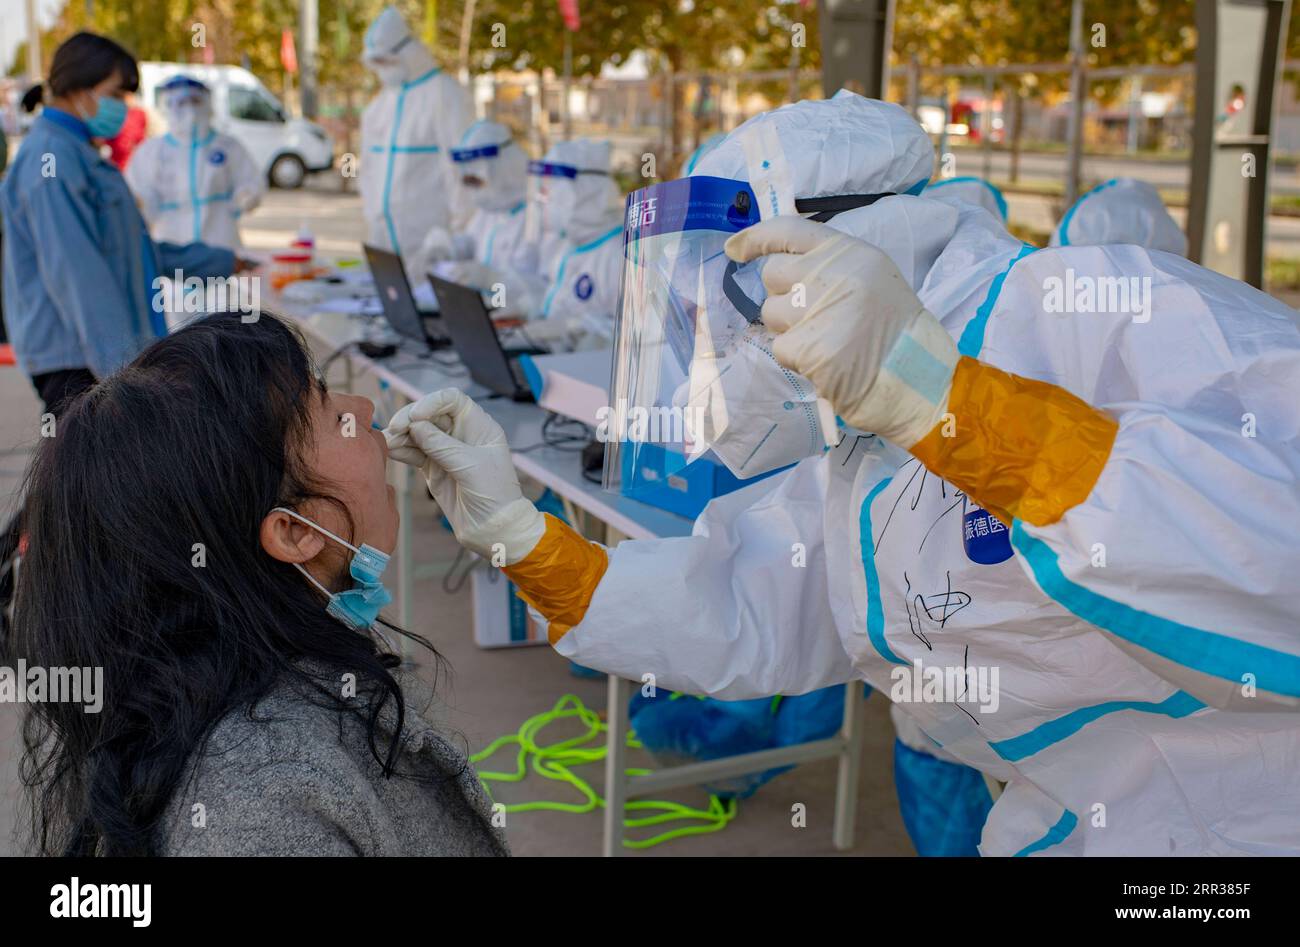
point(394, 149)
point(875, 612)
point(564, 263)
point(1063, 230)
point(966, 179)
point(1055, 835)
point(972, 337)
point(1201, 650)
point(1054, 731)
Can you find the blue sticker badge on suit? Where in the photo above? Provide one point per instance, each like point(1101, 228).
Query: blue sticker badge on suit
point(986, 539)
point(217, 157)
point(583, 287)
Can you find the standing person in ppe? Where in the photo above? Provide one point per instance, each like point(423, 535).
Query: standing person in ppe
point(1121, 210)
point(1020, 489)
point(194, 182)
point(407, 184)
point(491, 170)
point(565, 276)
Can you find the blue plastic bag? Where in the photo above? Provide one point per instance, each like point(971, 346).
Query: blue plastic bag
point(943, 804)
point(679, 729)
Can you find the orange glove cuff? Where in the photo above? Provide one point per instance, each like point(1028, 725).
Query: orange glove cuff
point(560, 575)
point(1021, 448)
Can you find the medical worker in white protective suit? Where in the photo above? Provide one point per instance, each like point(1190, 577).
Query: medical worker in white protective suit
point(492, 171)
point(972, 190)
point(565, 275)
point(194, 182)
point(408, 192)
point(1098, 507)
point(1121, 210)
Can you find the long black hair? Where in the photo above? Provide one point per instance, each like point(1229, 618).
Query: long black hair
point(193, 443)
point(83, 61)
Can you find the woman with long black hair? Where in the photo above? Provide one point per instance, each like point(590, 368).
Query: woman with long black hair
point(210, 526)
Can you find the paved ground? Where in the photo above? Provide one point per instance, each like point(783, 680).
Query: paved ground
point(492, 692)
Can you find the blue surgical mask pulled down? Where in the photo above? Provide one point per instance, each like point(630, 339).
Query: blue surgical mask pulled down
point(359, 606)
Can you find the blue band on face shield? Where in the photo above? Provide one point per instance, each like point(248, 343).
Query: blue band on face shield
point(473, 154)
point(548, 169)
point(694, 203)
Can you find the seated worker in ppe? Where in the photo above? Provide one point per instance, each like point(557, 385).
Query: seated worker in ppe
point(1096, 511)
point(971, 190)
point(564, 275)
point(233, 607)
point(491, 170)
point(406, 179)
point(194, 182)
point(1121, 210)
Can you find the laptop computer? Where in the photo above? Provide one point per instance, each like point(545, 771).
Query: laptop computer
point(468, 323)
point(400, 308)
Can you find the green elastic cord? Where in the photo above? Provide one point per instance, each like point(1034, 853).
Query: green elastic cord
point(553, 761)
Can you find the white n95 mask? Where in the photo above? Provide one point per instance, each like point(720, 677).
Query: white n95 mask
point(755, 415)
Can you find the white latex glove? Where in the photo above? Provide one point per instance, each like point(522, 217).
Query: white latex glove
point(470, 273)
point(465, 459)
point(846, 319)
point(438, 245)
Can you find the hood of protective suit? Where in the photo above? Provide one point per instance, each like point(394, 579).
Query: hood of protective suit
point(392, 52)
point(843, 145)
point(576, 207)
point(488, 152)
point(1122, 210)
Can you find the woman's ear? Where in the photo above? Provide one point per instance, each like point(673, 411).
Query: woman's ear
point(286, 539)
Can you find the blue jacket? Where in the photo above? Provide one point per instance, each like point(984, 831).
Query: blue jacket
point(79, 266)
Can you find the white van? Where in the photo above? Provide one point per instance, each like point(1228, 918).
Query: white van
point(287, 148)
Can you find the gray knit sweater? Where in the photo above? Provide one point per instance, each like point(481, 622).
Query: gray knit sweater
point(300, 779)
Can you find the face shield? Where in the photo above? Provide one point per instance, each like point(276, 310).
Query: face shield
point(552, 197)
point(694, 374)
point(188, 110)
point(473, 166)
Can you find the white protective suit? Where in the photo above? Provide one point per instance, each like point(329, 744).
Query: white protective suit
point(1121, 210)
point(1147, 698)
point(971, 190)
point(567, 276)
point(407, 184)
point(492, 170)
point(194, 183)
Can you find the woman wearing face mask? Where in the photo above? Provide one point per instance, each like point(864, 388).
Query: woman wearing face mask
point(79, 266)
point(211, 527)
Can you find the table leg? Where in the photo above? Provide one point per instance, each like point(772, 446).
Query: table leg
point(615, 766)
point(846, 782)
